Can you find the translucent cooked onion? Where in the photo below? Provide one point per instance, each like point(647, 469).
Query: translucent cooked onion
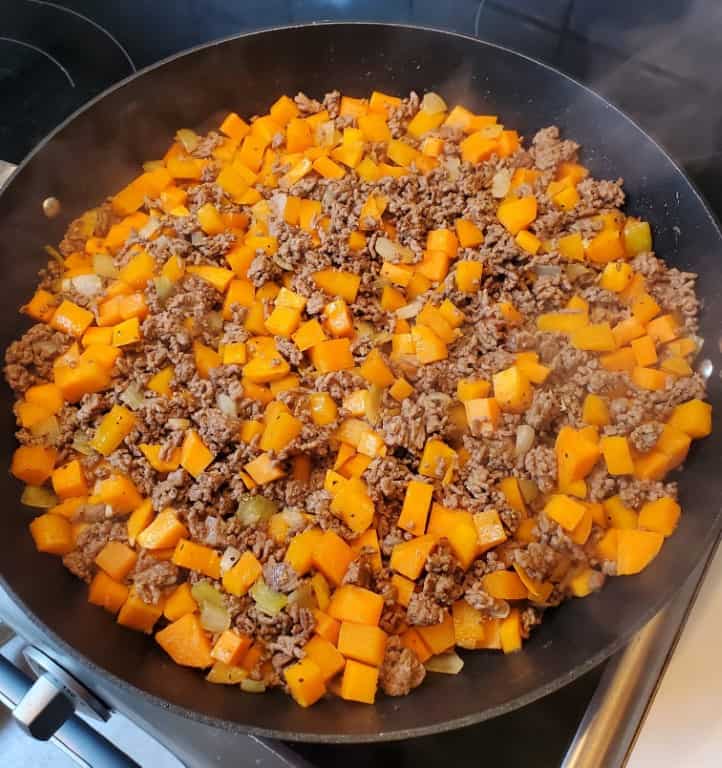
point(385, 249)
point(524, 439)
point(388, 250)
point(325, 134)
point(267, 600)
point(363, 329)
point(277, 203)
point(253, 686)
point(215, 618)
point(529, 489)
point(252, 509)
point(205, 592)
point(81, 444)
point(547, 270)
point(500, 183)
point(575, 271)
point(303, 597)
point(449, 663)
point(433, 103)
point(163, 287)
point(226, 405)
point(452, 165)
point(178, 423)
point(214, 321)
point(38, 496)
point(372, 403)
point(103, 265)
point(133, 397)
point(153, 165)
point(189, 139)
point(87, 285)
point(47, 428)
point(293, 518)
point(229, 558)
point(409, 310)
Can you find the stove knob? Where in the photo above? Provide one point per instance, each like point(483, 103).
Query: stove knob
point(44, 708)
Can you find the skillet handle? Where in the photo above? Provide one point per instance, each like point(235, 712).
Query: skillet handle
point(74, 736)
point(607, 733)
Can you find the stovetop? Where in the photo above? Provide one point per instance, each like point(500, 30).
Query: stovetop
point(656, 59)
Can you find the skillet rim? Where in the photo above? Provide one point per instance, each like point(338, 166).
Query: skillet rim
point(233, 726)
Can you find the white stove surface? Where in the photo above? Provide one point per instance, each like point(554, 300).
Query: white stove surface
point(684, 723)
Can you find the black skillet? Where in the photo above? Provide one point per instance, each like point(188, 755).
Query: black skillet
point(100, 148)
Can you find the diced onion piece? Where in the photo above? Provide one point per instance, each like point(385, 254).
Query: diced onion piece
point(277, 202)
point(698, 344)
point(214, 321)
point(293, 517)
point(189, 139)
point(215, 618)
point(252, 509)
point(363, 329)
point(48, 428)
point(178, 423)
point(524, 439)
point(229, 558)
point(409, 310)
point(372, 403)
point(303, 597)
point(529, 489)
point(163, 287)
point(547, 270)
point(133, 397)
point(38, 496)
point(385, 249)
point(226, 405)
point(87, 285)
point(433, 103)
point(253, 686)
point(205, 592)
point(81, 444)
point(500, 183)
point(452, 165)
point(388, 250)
point(449, 663)
point(104, 266)
point(575, 271)
point(153, 165)
point(267, 600)
point(325, 134)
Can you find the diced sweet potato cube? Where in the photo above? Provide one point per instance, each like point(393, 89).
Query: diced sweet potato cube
point(408, 557)
point(359, 682)
point(661, 515)
point(362, 642)
point(636, 550)
point(356, 604)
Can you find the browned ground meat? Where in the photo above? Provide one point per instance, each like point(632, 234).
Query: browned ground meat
point(400, 671)
point(190, 327)
point(150, 577)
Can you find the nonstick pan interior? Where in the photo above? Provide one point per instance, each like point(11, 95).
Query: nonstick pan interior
point(101, 148)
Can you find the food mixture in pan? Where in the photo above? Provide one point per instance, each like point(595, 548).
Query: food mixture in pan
point(321, 397)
